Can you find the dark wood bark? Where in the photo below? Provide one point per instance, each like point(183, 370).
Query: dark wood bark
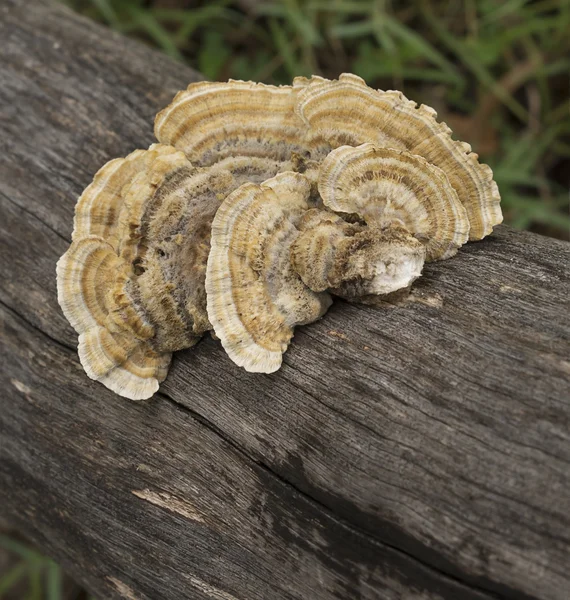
point(417, 451)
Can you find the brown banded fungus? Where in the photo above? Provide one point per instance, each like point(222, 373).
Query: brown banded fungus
point(255, 298)
point(211, 122)
point(346, 112)
point(410, 212)
point(391, 188)
point(323, 187)
point(132, 282)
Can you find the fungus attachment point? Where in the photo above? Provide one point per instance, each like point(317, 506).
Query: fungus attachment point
point(356, 262)
point(254, 296)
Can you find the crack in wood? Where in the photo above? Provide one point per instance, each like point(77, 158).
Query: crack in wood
point(34, 216)
point(323, 506)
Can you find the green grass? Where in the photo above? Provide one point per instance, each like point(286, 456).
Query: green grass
point(496, 70)
point(31, 575)
point(39, 576)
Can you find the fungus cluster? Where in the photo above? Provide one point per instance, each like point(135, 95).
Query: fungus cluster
point(258, 204)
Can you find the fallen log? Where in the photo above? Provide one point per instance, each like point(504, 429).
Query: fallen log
point(414, 451)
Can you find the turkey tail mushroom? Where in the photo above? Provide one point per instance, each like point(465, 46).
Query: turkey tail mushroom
point(99, 207)
point(390, 188)
point(254, 296)
point(260, 202)
point(411, 214)
point(348, 112)
point(137, 294)
point(92, 292)
point(210, 122)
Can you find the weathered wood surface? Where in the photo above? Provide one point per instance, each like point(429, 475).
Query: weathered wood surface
point(421, 451)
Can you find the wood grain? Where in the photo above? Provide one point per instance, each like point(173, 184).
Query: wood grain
point(413, 451)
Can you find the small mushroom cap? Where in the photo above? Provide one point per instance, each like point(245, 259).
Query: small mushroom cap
point(313, 250)
point(386, 186)
point(347, 112)
point(213, 121)
point(254, 296)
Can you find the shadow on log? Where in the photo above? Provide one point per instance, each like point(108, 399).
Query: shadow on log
point(419, 451)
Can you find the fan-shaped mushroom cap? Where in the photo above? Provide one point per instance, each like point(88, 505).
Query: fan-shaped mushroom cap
point(254, 296)
point(113, 347)
point(357, 262)
point(139, 376)
point(99, 206)
point(165, 240)
point(386, 186)
point(213, 121)
point(348, 112)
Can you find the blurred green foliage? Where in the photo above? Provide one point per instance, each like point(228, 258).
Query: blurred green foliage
point(26, 574)
point(496, 70)
point(34, 576)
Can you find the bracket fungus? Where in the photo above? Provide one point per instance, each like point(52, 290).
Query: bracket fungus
point(255, 297)
point(392, 188)
point(213, 121)
point(348, 112)
point(132, 281)
point(258, 205)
